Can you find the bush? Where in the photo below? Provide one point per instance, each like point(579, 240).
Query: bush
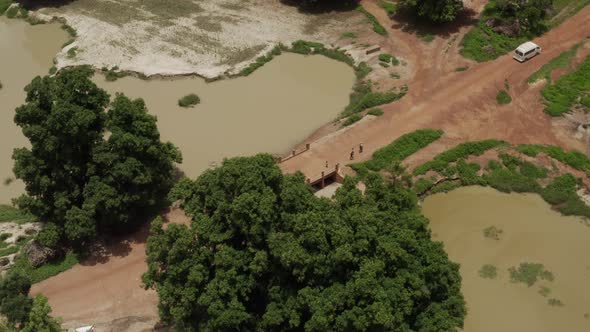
point(362, 70)
point(352, 119)
point(348, 35)
point(492, 232)
point(189, 100)
point(362, 98)
point(461, 151)
point(389, 7)
point(532, 171)
point(375, 112)
point(560, 190)
point(585, 101)
point(10, 213)
point(503, 98)
point(573, 158)
point(400, 149)
point(14, 301)
point(561, 61)
point(422, 184)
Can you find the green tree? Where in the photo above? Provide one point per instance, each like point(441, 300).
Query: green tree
point(264, 254)
point(39, 319)
point(14, 301)
point(63, 118)
point(132, 170)
point(438, 11)
point(76, 180)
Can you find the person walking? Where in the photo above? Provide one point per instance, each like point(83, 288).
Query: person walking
point(326, 164)
point(361, 148)
point(352, 154)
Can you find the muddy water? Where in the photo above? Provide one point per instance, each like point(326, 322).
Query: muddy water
point(532, 232)
point(25, 52)
point(269, 111)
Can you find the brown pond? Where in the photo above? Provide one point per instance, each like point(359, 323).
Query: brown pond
point(25, 52)
point(269, 111)
point(531, 232)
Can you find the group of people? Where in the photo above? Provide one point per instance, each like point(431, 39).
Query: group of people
point(360, 151)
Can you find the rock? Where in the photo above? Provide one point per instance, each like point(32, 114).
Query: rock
point(4, 261)
point(38, 254)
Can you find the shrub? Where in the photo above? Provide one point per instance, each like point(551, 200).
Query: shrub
point(585, 101)
point(72, 52)
point(461, 151)
point(385, 57)
point(529, 273)
point(464, 68)
point(9, 213)
point(362, 70)
point(400, 149)
point(12, 12)
point(560, 190)
point(531, 171)
point(389, 7)
point(544, 291)
point(503, 98)
point(189, 100)
point(555, 303)
point(4, 4)
point(505, 180)
point(375, 112)
point(362, 98)
point(352, 119)
point(422, 184)
point(488, 271)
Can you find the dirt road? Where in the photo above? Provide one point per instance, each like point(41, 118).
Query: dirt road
point(461, 103)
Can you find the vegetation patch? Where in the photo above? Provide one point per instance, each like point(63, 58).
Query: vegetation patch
point(377, 27)
point(4, 4)
point(461, 151)
point(573, 158)
point(400, 149)
point(189, 100)
point(529, 273)
point(375, 112)
point(561, 61)
point(463, 68)
point(492, 232)
point(503, 98)
point(562, 95)
point(363, 98)
point(389, 7)
point(544, 291)
point(555, 303)
point(488, 271)
point(352, 119)
point(350, 35)
point(261, 61)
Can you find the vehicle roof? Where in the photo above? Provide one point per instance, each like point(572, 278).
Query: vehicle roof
point(525, 47)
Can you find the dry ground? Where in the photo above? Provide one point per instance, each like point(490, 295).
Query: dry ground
point(208, 38)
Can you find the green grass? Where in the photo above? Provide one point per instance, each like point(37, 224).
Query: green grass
point(12, 12)
point(460, 69)
point(72, 52)
point(459, 152)
point(9, 213)
point(189, 100)
point(427, 38)
point(363, 98)
point(573, 6)
point(562, 95)
point(389, 7)
point(352, 119)
point(400, 149)
point(375, 112)
point(377, 27)
point(573, 158)
point(503, 98)
point(350, 35)
point(261, 61)
point(585, 101)
point(505, 180)
point(488, 271)
point(492, 232)
point(561, 61)
point(529, 273)
point(4, 4)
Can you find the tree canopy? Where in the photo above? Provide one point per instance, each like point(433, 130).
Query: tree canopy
point(39, 319)
point(14, 301)
point(264, 254)
point(79, 179)
point(438, 11)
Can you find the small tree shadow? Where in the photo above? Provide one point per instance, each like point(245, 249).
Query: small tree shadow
point(119, 246)
point(37, 4)
point(322, 7)
point(410, 23)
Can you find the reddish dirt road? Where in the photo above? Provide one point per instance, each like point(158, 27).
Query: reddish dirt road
point(460, 103)
point(107, 289)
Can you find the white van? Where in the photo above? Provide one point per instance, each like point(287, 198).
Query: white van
point(526, 51)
